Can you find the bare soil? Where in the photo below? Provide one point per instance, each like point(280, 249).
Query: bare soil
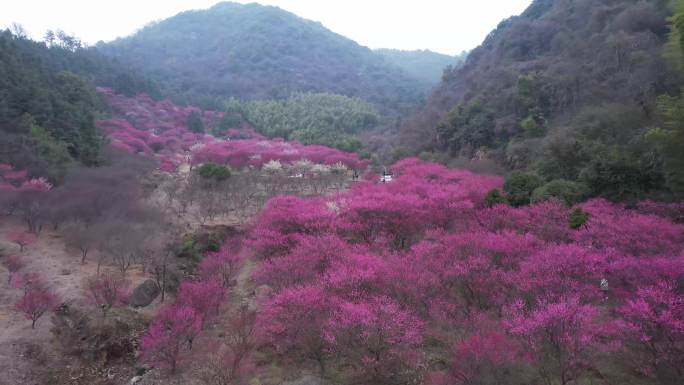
point(26, 354)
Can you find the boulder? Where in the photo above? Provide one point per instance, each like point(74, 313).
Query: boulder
point(144, 294)
point(141, 370)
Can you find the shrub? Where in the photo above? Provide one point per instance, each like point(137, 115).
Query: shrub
point(190, 250)
point(564, 190)
point(212, 245)
point(578, 218)
point(495, 197)
point(531, 127)
point(214, 171)
point(519, 187)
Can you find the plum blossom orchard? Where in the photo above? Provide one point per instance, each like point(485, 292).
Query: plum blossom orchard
point(418, 280)
point(386, 280)
point(162, 129)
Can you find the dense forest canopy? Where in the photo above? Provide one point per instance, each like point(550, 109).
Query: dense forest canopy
point(48, 103)
point(566, 90)
point(257, 52)
point(327, 119)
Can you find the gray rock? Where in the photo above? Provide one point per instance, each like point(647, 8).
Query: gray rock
point(141, 370)
point(144, 294)
point(135, 380)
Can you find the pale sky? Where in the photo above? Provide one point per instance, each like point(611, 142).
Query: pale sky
point(447, 26)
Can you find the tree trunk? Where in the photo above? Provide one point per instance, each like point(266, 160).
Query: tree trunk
point(163, 283)
point(321, 366)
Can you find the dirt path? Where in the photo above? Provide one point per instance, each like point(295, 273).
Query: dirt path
point(243, 286)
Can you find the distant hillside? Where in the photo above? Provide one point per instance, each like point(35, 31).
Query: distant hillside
point(425, 65)
point(259, 52)
point(567, 90)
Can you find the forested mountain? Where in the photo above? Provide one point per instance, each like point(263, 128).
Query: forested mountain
point(259, 52)
point(48, 103)
point(567, 90)
point(425, 65)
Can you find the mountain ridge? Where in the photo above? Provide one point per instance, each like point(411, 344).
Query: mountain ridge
point(261, 52)
point(423, 64)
